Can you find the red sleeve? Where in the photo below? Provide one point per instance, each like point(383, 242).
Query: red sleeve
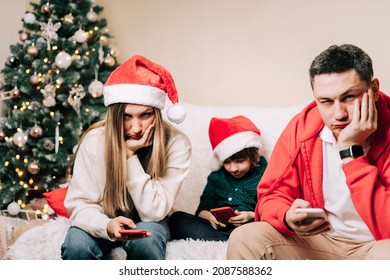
point(369, 185)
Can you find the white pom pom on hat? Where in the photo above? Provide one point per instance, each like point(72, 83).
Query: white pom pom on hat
point(231, 135)
point(141, 81)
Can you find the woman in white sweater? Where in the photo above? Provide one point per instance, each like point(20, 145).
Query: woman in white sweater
point(128, 167)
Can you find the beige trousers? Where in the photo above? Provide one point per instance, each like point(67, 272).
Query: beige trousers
point(259, 240)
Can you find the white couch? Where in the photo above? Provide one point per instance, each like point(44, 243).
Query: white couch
point(43, 242)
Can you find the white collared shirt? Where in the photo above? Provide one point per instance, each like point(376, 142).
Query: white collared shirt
point(342, 214)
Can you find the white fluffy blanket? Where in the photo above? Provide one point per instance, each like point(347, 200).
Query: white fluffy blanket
point(44, 243)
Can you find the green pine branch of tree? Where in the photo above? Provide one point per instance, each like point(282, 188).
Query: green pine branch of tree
point(52, 91)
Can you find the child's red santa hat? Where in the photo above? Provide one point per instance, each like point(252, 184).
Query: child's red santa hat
point(141, 81)
point(231, 135)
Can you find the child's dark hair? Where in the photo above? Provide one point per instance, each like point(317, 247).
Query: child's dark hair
point(252, 153)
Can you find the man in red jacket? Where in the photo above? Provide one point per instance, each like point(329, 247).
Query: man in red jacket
point(333, 155)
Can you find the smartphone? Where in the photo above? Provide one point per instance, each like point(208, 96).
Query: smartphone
point(139, 233)
point(223, 214)
point(313, 213)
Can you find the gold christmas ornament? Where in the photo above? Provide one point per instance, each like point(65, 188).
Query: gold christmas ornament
point(34, 79)
point(36, 131)
point(104, 39)
point(32, 50)
point(68, 19)
point(109, 61)
point(46, 9)
point(2, 135)
point(15, 92)
point(114, 51)
point(33, 168)
point(23, 36)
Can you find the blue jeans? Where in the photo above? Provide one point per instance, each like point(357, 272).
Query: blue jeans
point(184, 225)
point(80, 245)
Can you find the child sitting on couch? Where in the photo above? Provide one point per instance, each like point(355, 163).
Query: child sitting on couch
point(236, 145)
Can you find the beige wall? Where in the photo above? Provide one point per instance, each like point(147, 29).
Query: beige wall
point(236, 52)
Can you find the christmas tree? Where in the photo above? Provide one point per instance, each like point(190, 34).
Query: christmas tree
point(51, 87)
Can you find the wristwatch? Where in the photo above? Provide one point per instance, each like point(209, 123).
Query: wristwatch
point(352, 151)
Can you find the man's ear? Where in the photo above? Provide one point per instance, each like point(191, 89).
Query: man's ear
point(375, 88)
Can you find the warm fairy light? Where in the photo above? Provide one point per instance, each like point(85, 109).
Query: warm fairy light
point(20, 202)
point(31, 181)
point(17, 157)
point(20, 173)
point(51, 114)
point(87, 53)
point(36, 187)
point(76, 51)
point(17, 169)
point(54, 48)
point(25, 186)
point(61, 139)
point(21, 183)
point(6, 163)
point(25, 160)
point(45, 60)
point(96, 28)
point(28, 71)
point(15, 107)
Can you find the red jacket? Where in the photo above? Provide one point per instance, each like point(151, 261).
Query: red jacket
point(295, 171)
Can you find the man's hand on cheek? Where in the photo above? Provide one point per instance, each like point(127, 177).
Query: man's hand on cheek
point(363, 123)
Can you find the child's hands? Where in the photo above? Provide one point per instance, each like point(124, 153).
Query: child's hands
point(205, 214)
point(241, 218)
point(215, 223)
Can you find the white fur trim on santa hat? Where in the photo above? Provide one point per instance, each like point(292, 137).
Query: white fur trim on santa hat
point(176, 113)
point(135, 94)
point(235, 143)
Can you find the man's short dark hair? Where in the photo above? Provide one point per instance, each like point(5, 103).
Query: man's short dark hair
point(338, 59)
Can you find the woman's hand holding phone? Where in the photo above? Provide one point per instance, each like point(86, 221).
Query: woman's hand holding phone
point(134, 234)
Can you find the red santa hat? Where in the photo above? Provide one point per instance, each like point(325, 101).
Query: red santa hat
point(141, 81)
point(231, 135)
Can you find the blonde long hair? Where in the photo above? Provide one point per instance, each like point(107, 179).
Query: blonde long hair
point(116, 199)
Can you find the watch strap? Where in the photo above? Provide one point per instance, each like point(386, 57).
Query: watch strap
point(353, 151)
